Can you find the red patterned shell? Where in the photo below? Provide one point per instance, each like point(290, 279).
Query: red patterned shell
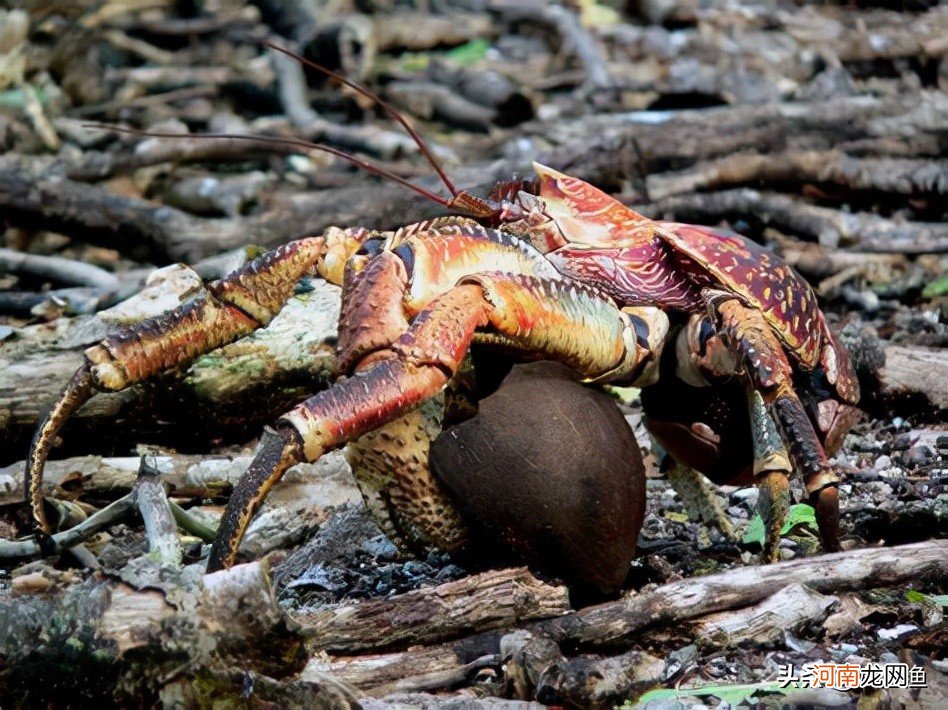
point(759, 278)
point(596, 222)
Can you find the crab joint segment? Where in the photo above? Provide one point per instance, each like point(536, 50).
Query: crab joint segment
point(236, 305)
point(551, 319)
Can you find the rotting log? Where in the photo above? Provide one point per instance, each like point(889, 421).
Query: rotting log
point(481, 602)
point(829, 227)
point(613, 624)
point(155, 632)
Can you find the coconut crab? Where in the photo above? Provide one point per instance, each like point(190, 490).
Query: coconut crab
point(561, 272)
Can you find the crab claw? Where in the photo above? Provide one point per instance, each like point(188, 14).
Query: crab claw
point(231, 308)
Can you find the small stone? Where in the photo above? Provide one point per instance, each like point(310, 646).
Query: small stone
point(747, 496)
point(882, 463)
point(380, 547)
point(941, 443)
point(902, 442)
point(918, 456)
point(797, 644)
point(895, 631)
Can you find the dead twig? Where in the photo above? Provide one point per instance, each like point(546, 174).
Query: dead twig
point(901, 176)
point(566, 24)
point(111, 514)
point(57, 268)
point(829, 227)
point(161, 529)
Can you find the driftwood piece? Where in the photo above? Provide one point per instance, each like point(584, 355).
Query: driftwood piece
point(902, 176)
point(615, 623)
point(490, 600)
point(126, 641)
point(917, 375)
point(829, 227)
point(763, 624)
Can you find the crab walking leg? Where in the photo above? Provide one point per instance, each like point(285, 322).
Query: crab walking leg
point(556, 320)
point(772, 375)
point(236, 305)
point(819, 479)
point(771, 470)
point(698, 497)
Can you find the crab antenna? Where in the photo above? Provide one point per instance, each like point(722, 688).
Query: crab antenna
point(297, 142)
point(393, 112)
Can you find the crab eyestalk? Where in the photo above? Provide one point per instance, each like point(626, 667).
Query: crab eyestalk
point(231, 308)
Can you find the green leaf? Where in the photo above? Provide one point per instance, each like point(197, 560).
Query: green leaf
point(917, 597)
point(754, 533)
point(469, 53)
point(938, 287)
point(730, 694)
point(800, 515)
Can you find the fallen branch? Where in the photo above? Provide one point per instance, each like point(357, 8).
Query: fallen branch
point(490, 600)
point(614, 624)
point(57, 269)
point(566, 24)
point(901, 176)
point(15, 549)
point(829, 227)
point(199, 637)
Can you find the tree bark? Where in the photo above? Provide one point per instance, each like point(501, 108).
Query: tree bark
point(490, 600)
point(614, 624)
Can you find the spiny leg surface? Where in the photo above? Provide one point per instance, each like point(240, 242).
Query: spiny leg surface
point(231, 308)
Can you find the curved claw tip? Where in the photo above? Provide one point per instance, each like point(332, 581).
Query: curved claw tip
point(75, 394)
